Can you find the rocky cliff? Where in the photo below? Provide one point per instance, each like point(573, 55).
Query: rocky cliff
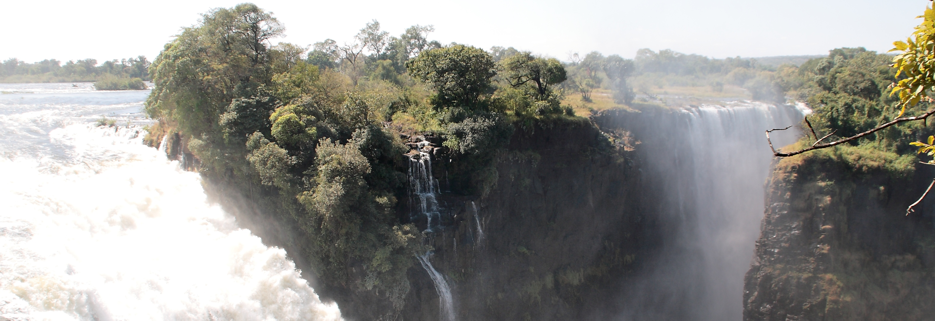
point(836, 243)
point(563, 227)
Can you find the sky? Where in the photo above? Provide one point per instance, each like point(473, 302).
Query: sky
point(105, 30)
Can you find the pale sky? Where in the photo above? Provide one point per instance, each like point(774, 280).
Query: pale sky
point(104, 30)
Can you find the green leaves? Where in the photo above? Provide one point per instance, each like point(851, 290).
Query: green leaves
point(199, 73)
point(523, 68)
point(460, 74)
point(915, 64)
point(927, 148)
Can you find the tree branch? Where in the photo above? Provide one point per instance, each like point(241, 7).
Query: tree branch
point(823, 138)
point(847, 139)
point(770, 141)
point(927, 190)
point(813, 130)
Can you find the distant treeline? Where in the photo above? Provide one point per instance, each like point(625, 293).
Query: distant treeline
point(50, 70)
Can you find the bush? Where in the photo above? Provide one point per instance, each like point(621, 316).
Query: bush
point(110, 82)
point(480, 134)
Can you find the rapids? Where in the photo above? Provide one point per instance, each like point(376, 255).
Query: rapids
point(97, 226)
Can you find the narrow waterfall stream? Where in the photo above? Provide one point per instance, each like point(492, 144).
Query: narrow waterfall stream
point(480, 230)
point(445, 300)
point(97, 226)
point(424, 187)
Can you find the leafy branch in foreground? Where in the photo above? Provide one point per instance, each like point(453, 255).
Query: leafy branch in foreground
point(817, 144)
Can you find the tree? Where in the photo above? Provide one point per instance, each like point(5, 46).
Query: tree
point(618, 69)
point(915, 68)
point(372, 38)
point(586, 77)
point(199, 73)
point(461, 75)
point(524, 68)
point(416, 40)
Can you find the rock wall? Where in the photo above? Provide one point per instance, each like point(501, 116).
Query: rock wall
point(564, 228)
point(836, 243)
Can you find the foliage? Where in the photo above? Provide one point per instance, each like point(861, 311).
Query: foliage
point(104, 122)
point(348, 221)
point(618, 70)
point(271, 162)
point(927, 148)
point(245, 116)
point(51, 70)
point(531, 83)
point(524, 69)
point(480, 134)
point(111, 82)
point(199, 73)
point(847, 92)
point(460, 75)
point(915, 63)
point(299, 133)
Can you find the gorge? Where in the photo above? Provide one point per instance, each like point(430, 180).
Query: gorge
point(396, 178)
point(636, 215)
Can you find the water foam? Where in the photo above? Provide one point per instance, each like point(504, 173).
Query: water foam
point(115, 231)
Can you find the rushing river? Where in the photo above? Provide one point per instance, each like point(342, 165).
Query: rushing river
point(96, 226)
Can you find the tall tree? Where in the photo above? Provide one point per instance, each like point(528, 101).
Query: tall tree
point(524, 68)
point(618, 69)
point(372, 38)
point(199, 73)
point(461, 75)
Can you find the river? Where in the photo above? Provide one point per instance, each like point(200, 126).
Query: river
point(96, 226)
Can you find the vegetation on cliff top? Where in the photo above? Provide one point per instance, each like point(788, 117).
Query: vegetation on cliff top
point(858, 98)
point(314, 136)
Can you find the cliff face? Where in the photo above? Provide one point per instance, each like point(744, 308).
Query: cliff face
point(563, 228)
point(836, 244)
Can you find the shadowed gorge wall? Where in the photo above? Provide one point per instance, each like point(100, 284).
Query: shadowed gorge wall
point(563, 225)
point(836, 244)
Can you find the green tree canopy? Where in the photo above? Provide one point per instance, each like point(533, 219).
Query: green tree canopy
point(200, 72)
point(542, 73)
point(461, 75)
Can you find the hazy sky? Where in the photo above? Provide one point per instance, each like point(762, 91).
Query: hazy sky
point(103, 30)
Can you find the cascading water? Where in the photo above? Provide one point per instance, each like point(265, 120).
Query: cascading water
point(423, 186)
point(162, 144)
point(480, 231)
point(710, 165)
point(97, 226)
point(445, 300)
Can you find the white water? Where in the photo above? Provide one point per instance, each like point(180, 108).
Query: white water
point(712, 163)
point(445, 300)
point(97, 226)
point(730, 162)
point(424, 186)
point(480, 231)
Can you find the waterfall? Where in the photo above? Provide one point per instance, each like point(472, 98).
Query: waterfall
point(445, 301)
point(708, 166)
point(162, 144)
point(424, 186)
point(480, 231)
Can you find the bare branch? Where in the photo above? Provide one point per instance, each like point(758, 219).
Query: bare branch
point(847, 139)
point(770, 141)
point(812, 129)
point(927, 190)
point(823, 138)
